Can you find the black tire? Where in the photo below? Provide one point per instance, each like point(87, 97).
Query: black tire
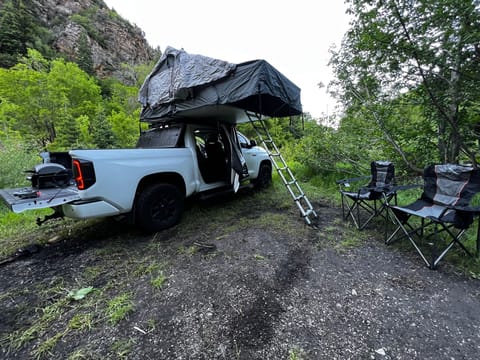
point(264, 178)
point(158, 207)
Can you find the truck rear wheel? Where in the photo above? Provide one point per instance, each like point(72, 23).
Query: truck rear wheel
point(158, 207)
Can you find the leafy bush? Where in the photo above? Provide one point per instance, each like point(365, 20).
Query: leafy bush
point(15, 158)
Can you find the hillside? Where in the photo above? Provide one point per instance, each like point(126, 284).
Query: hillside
point(83, 31)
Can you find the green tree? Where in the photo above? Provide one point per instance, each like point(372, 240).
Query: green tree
point(102, 134)
point(85, 61)
point(49, 97)
point(425, 47)
point(125, 127)
point(16, 31)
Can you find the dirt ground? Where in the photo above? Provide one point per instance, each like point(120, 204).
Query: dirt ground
point(242, 280)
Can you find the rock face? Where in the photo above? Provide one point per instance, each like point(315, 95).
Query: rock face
point(110, 39)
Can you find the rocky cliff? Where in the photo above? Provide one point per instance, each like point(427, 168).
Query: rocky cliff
point(77, 26)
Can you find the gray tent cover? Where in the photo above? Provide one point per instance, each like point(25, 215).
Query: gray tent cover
point(186, 85)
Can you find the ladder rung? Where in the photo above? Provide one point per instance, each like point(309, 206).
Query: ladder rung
point(293, 182)
point(299, 197)
point(310, 212)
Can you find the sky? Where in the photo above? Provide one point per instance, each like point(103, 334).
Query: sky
point(293, 36)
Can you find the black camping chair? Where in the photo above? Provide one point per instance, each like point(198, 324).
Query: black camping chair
point(368, 201)
point(443, 208)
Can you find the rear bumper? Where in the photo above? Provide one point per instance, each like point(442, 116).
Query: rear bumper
point(91, 209)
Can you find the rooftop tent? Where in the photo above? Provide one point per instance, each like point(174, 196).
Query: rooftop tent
point(196, 86)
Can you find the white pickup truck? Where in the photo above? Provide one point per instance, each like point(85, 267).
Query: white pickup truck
point(171, 162)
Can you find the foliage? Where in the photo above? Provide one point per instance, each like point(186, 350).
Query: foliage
point(20, 28)
point(85, 61)
point(57, 105)
point(428, 49)
point(15, 158)
point(79, 294)
point(15, 31)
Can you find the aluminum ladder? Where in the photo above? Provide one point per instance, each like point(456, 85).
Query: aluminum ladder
point(283, 170)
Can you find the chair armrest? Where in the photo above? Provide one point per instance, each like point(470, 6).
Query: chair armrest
point(346, 182)
point(471, 209)
point(392, 191)
point(396, 188)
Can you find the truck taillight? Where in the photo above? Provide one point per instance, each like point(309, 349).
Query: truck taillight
point(83, 173)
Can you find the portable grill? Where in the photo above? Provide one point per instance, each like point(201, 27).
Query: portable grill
point(49, 175)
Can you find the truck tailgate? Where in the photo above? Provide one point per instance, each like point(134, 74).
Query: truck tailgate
point(26, 198)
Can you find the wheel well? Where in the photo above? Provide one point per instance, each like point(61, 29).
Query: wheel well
point(168, 178)
point(266, 162)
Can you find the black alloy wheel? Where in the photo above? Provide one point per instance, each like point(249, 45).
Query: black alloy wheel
point(158, 207)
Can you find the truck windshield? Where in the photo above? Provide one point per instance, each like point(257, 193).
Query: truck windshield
point(167, 136)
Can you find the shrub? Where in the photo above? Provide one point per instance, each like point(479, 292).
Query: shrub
point(15, 158)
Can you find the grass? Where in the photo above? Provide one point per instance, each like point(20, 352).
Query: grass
point(119, 307)
point(122, 348)
point(85, 314)
point(259, 257)
point(81, 321)
point(79, 354)
point(38, 327)
point(44, 349)
point(159, 281)
point(20, 230)
point(295, 354)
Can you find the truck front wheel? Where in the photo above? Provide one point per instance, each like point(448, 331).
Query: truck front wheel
point(264, 178)
point(158, 207)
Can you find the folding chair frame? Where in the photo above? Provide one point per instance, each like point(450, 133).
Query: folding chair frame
point(352, 206)
point(442, 222)
point(439, 227)
point(370, 199)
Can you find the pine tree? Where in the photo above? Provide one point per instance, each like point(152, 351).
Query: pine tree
point(16, 25)
point(84, 60)
point(102, 133)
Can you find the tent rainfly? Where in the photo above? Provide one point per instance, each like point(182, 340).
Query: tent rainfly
point(195, 86)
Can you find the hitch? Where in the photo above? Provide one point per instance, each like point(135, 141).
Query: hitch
point(58, 213)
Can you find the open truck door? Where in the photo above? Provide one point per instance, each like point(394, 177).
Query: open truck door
point(238, 164)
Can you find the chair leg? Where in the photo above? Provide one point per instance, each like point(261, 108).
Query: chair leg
point(455, 239)
point(361, 211)
point(478, 237)
point(348, 209)
point(351, 208)
point(374, 211)
point(351, 212)
point(434, 260)
point(408, 234)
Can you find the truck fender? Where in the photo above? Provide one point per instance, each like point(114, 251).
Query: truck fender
point(159, 202)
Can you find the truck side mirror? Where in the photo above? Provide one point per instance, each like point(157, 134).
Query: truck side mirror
point(253, 143)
